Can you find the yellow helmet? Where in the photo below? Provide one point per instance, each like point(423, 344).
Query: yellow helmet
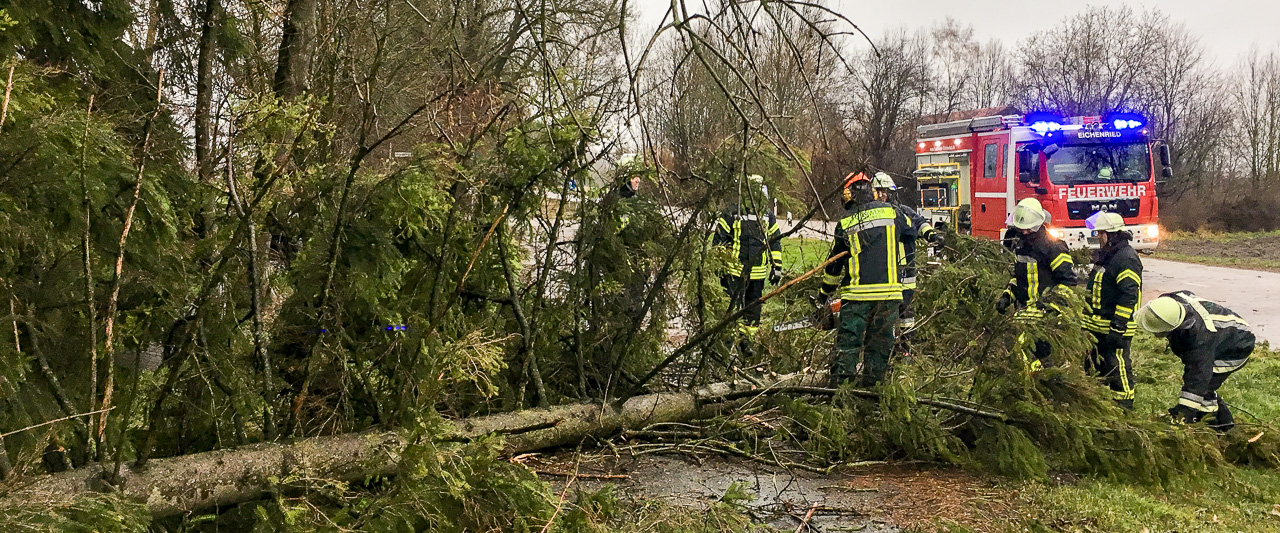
point(1161, 315)
point(1029, 215)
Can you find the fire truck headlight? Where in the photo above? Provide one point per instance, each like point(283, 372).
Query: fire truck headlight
point(1057, 233)
point(1153, 231)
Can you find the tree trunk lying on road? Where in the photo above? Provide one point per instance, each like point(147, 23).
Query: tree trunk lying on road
point(188, 483)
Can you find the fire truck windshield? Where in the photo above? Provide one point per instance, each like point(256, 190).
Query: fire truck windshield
point(1100, 163)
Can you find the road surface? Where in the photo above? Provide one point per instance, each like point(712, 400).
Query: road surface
point(1252, 294)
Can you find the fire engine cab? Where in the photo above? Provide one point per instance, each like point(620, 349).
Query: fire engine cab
point(970, 173)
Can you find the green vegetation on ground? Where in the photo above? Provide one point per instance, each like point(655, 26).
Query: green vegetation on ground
point(1250, 250)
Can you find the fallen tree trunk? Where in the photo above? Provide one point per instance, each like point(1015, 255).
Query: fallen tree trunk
point(187, 483)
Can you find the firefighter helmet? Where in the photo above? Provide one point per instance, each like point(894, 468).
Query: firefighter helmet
point(757, 182)
point(630, 159)
point(1105, 221)
point(853, 181)
point(883, 181)
point(1029, 215)
point(1162, 315)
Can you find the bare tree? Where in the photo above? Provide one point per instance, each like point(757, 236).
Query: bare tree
point(890, 90)
point(1257, 101)
point(992, 78)
point(953, 56)
point(1083, 67)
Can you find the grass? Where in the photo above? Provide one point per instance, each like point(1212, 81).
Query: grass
point(800, 254)
point(1249, 250)
point(1235, 499)
point(1248, 263)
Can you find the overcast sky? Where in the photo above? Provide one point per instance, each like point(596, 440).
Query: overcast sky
point(1226, 27)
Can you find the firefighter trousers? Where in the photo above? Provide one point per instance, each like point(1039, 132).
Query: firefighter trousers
point(742, 292)
point(1111, 361)
point(864, 332)
point(907, 313)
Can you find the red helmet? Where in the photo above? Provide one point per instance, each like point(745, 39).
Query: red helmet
point(852, 178)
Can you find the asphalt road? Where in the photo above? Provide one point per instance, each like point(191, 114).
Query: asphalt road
point(1252, 294)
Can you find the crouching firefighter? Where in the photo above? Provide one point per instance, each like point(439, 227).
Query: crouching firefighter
point(752, 232)
point(871, 232)
point(884, 186)
point(1115, 290)
point(1043, 266)
point(1212, 341)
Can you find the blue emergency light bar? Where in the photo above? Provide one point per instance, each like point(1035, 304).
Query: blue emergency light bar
point(1044, 122)
point(1125, 121)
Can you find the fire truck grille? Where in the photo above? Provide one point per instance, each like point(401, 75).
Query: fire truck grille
point(1082, 209)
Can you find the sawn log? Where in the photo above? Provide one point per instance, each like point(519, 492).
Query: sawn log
point(188, 483)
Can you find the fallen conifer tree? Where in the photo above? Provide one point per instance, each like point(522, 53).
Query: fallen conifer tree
point(187, 483)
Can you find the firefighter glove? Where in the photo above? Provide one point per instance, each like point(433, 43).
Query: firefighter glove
point(1003, 303)
point(936, 238)
point(775, 275)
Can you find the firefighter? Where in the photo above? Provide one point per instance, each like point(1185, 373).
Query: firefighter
point(630, 167)
point(870, 286)
point(753, 234)
point(1212, 342)
point(1115, 288)
point(884, 186)
point(629, 170)
point(1043, 266)
point(639, 223)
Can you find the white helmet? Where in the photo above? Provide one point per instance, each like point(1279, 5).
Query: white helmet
point(629, 159)
point(1029, 215)
point(883, 181)
point(1105, 221)
point(757, 181)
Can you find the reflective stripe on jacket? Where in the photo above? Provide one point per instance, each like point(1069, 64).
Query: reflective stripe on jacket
point(754, 241)
point(1043, 264)
point(872, 233)
point(1115, 290)
point(920, 229)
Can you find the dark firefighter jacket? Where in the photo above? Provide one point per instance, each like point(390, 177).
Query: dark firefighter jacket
point(872, 233)
point(1115, 290)
point(922, 229)
point(1043, 265)
point(754, 239)
point(1211, 340)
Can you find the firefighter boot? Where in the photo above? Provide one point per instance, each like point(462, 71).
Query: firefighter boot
point(1222, 420)
point(746, 343)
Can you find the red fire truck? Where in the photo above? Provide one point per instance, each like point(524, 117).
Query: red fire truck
point(972, 172)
